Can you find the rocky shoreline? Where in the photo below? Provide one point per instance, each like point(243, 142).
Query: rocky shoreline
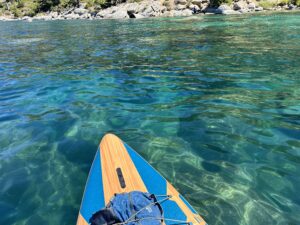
point(153, 8)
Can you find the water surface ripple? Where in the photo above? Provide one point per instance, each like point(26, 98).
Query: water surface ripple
point(211, 101)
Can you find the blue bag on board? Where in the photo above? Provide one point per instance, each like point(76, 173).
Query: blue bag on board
point(133, 208)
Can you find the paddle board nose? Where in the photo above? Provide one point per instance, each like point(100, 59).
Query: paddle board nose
point(117, 168)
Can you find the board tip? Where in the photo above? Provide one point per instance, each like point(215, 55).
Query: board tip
point(110, 136)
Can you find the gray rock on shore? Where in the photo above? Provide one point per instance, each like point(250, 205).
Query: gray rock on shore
point(27, 18)
point(194, 7)
point(240, 5)
point(226, 10)
point(251, 6)
point(291, 7)
point(258, 9)
point(134, 10)
point(197, 2)
point(246, 6)
point(181, 2)
point(81, 11)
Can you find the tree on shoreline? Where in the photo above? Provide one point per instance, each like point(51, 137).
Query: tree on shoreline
point(46, 5)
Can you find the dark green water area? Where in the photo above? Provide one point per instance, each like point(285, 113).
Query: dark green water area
point(212, 102)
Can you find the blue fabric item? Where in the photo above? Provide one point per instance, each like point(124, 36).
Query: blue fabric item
point(126, 204)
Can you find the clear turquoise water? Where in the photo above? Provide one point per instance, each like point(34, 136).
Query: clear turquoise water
point(213, 102)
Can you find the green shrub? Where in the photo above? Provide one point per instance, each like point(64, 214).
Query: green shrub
point(15, 11)
point(267, 4)
point(283, 2)
point(20, 4)
point(297, 2)
point(30, 13)
point(91, 3)
point(100, 2)
point(46, 5)
point(105, 3)
point(69, 3)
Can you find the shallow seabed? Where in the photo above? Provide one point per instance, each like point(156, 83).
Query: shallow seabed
point(213, 102)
